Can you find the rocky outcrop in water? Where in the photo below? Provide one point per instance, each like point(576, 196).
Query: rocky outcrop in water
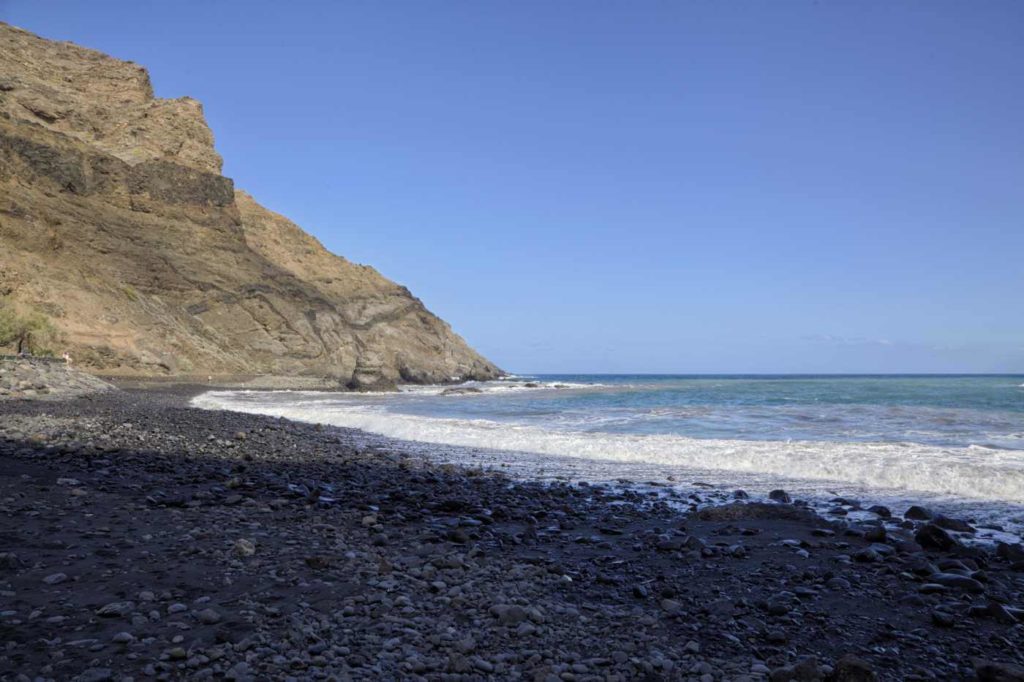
point(116, 223)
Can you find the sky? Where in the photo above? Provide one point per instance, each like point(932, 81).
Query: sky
point(599, 186)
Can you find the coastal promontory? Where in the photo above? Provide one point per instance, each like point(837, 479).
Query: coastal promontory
point(118, 228)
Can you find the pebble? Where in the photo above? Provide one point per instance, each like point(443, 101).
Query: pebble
point(943, 619)
point(208, 616)
point(238, 672)
point(671, 606)
point(509, 615)
point(560, 582)
point(244, 548)
point(958, 581)
point(850, 668)
point(117, 609)
point(994, 671)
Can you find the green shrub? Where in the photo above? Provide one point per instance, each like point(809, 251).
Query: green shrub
point(8, 325)
point(31, 333)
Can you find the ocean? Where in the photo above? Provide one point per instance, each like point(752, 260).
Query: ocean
point(953, 442)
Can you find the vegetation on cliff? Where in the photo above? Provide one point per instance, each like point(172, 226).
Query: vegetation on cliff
point(31, 333)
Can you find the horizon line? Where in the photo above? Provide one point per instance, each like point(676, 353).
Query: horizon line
point(782, 374)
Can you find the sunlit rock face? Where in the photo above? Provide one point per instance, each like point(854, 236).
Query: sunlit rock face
point(116, 223)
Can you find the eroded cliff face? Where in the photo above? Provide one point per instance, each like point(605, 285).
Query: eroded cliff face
point(116, 223)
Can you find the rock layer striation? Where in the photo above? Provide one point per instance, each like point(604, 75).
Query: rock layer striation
point(116, 223)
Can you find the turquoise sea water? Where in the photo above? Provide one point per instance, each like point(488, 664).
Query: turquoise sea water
point(955, 440)
point(937, 410)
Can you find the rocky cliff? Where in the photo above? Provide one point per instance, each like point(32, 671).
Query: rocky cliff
point(116, 223)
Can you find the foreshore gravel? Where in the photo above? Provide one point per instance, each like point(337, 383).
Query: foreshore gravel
point(144, 539)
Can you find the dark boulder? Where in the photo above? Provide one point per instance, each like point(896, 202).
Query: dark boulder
point(850, 668)
point(999, 613)
point(990, 671)
point(739, 511)
point(919, 514)
point(883, 512)
point(948, 523)
point(957, 581)
point(1011, 553)
point(867, 556)
point(461, 390)
point(780, 496)
point(933, 537)
point(369, 377)
point(804, 670)
point(875, 534)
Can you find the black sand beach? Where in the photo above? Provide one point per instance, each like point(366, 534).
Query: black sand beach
point(145, 539)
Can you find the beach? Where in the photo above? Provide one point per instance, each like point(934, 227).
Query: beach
point(144, 538)
point(579, 342)
point(952, 443)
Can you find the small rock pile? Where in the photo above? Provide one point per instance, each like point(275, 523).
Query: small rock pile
point(29, 377)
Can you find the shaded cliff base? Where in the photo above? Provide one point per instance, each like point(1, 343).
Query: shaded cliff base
point(152, 540)
point(195, 384)
point(192, 384)
point(27, 378)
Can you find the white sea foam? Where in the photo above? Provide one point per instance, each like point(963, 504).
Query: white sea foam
point(499, 386)
point(977, 473)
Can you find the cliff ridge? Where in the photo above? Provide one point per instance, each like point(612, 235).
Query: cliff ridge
point(116, 223)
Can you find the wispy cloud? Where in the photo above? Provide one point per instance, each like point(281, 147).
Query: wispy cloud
point(834, 340)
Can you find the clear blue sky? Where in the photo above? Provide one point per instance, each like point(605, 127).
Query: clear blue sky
point(631, 186)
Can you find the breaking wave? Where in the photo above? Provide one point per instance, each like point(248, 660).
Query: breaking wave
point(470, 388)
point(974, 472)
